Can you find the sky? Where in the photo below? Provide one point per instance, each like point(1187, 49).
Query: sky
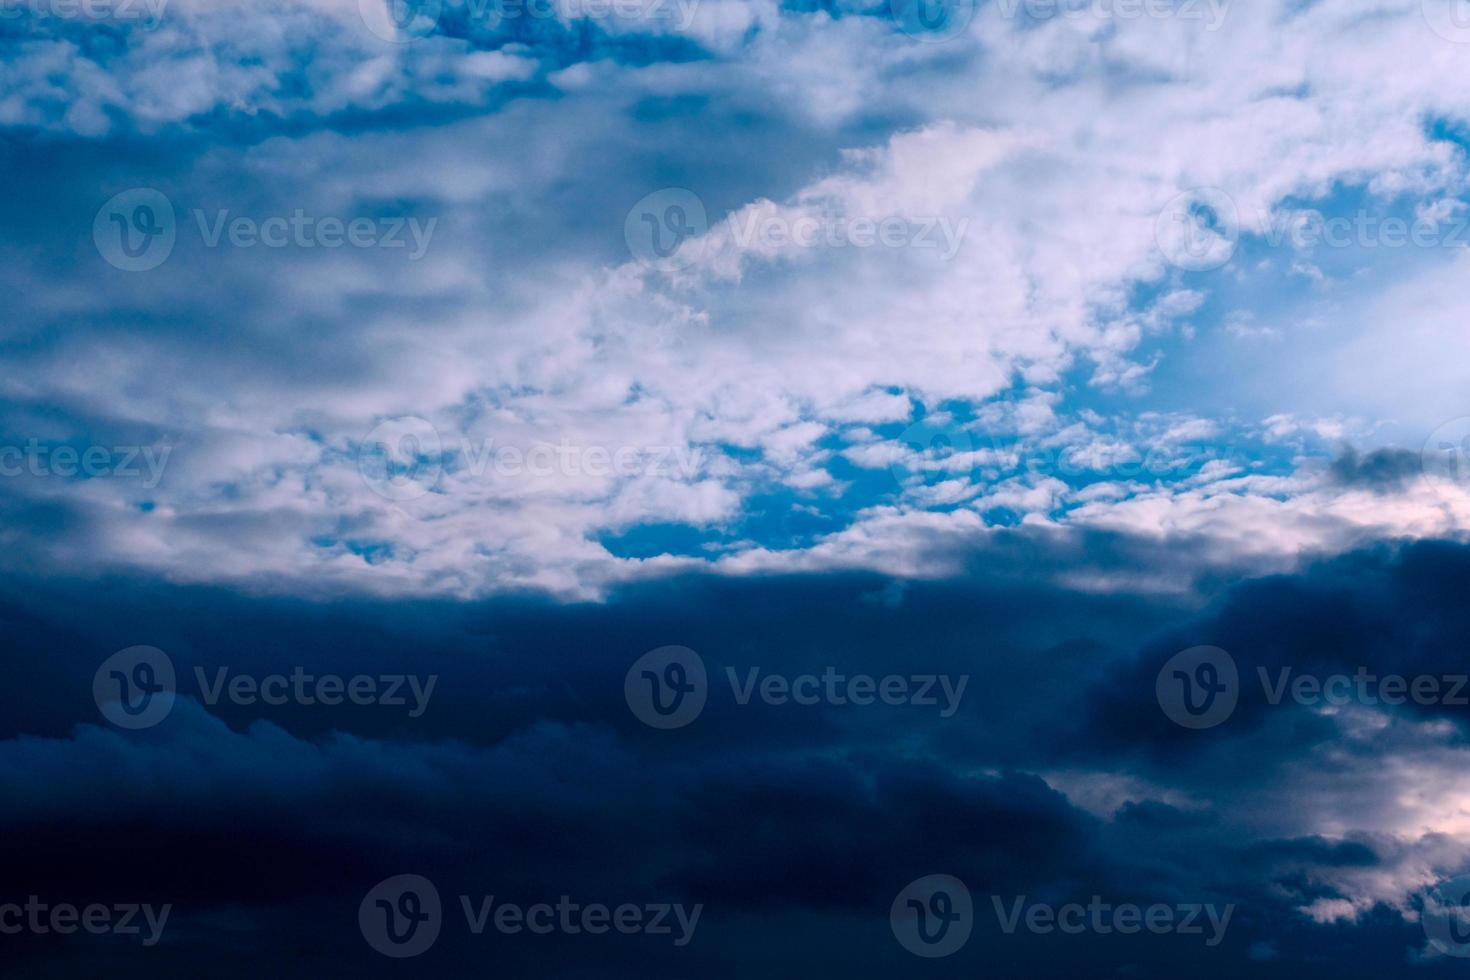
point(861, 470)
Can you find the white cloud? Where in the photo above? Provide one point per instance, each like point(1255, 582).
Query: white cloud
point(1048, 152)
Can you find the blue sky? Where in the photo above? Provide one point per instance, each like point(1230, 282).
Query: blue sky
point(471, 308)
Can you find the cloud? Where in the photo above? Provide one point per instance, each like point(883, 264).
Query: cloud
point(1058, 778)
point(884, 249)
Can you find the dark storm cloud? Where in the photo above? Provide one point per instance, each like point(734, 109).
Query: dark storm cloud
point(1378, 612)
point(527, 777)
point(1382, 470)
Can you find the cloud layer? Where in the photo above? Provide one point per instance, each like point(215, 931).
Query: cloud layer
point(1058, 777)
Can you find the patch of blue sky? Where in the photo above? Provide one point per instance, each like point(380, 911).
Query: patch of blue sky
point(374, 552)
point(778, 519)
point(782, 518)
point(1271, 318)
